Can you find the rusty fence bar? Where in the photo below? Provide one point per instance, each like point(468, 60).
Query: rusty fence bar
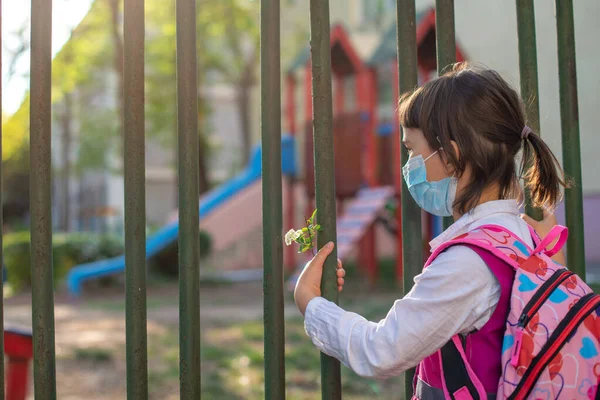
point(135, 200)
point(445, 48)
point(270, 74)
point(42, 286)
point(324, 172)
point(569, 115)
point(189, 218)
point(412, 254)
point(529, 74)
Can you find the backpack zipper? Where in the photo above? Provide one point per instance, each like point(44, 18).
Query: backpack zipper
point(533, 306)
point(542, 295)
point(563, 332)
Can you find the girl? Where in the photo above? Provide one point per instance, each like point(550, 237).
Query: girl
point(463, 132)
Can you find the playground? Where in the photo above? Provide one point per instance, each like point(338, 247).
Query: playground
point(90, 344)
point(201, 303)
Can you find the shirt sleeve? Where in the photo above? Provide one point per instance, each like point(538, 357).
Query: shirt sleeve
point(457, 293)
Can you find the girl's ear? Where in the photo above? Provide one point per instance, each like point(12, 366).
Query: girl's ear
point(450, 167)
point(455, 146)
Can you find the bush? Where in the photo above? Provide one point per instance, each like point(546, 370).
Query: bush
point(68, 250)
point(167, 262)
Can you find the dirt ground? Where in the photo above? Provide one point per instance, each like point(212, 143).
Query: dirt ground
point(90, 332)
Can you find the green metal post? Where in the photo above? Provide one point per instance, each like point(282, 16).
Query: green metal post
point(42, 284)
point(569, 116)
point(189, 218)
point(529, 75)
point(324, 172)
point(412, 253)
point(445, 47)
point(1, 237)
point(135, 200)
point(270, 78)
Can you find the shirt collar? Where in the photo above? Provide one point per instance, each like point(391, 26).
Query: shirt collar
point(466, 222)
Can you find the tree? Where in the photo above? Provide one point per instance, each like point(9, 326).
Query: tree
point(228, 46)
point(116, 12)
point(161, 83)
point(236, 53)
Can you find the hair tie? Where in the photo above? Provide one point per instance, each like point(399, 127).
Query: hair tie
point(525, 132)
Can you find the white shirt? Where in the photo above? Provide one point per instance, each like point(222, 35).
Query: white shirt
point(457, 293)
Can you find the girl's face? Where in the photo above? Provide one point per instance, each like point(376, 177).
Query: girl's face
point(416, 144)
point(437, 167)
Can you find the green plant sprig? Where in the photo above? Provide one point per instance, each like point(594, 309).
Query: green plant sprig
point(305, 236)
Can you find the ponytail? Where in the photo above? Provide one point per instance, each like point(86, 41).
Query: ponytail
point(544, 176)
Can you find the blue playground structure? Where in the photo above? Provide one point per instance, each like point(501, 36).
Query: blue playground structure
point(160, 240)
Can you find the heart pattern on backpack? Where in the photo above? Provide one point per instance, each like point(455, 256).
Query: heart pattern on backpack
point(535, 265)
point(560, 343)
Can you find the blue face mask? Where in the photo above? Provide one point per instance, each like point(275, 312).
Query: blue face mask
point(434, 197)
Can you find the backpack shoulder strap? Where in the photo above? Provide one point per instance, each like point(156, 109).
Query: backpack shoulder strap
point(497, 246)
point(496, 239)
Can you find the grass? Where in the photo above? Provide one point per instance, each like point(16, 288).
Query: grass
point(98, 355)
point(233, 365)
point(232, 353)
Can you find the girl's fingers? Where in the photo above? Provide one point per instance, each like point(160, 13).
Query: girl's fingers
point(340, 274)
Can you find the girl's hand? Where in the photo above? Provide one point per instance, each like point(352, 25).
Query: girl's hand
point(544, 227)
point(309, 282)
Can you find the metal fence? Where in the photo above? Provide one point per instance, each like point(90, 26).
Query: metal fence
point(41, 228)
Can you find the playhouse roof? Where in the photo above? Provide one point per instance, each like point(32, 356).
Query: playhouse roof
point(388, 46)
point(354, 48)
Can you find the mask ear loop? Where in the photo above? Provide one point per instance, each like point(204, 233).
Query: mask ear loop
point(431, 155)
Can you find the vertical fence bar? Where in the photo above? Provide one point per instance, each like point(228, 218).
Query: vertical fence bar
point(569, 116)
point(189, 217)
point(1, 238)
point(42, 286)
point(270, 72)
point(445, 47)
point(528, 75)
point(135, 200)
point(324, 171)
point(412, 250)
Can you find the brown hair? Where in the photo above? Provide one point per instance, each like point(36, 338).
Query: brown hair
point(478, 110)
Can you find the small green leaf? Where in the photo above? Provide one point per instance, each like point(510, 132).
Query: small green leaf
point(305, 229)
point(312, 217)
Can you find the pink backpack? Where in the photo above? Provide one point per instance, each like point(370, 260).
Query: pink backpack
point(551, 347)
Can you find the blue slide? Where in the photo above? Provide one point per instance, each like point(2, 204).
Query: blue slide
point(169, 233)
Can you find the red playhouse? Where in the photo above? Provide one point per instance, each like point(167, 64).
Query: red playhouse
point(366, 135)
